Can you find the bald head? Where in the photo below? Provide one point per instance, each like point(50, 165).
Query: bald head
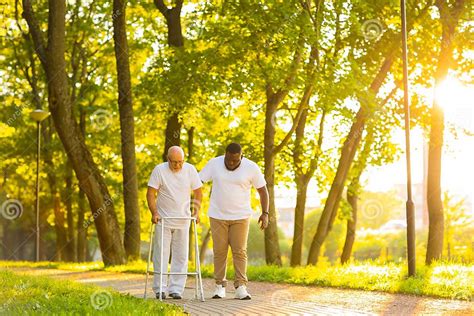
point(176, 151)
point(175, 158)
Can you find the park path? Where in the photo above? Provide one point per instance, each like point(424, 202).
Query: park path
point(272, 299)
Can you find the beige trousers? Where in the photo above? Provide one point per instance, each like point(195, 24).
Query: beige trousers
point(231, 233)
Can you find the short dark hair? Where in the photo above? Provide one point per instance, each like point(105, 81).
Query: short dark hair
point(234, 148)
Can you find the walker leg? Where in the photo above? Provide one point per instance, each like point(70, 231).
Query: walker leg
point(149, 259)
point(195, 260)
point(198, 266)
point(161, 259)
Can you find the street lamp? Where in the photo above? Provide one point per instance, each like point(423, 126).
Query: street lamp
point(410, 207)
point(38, 116)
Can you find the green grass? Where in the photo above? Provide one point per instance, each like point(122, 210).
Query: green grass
point(23, 294)
point(442, 279)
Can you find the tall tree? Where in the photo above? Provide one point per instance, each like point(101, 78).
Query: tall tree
point(322, 64)
point(271, 149)
point(175, 39)
point(302, 178)
point(353, 196)
point(32, 74)
point(347, 156)
point(90, 180)
point(449, 16)
point(352, 141)
point(376, 130)
point(131, 238)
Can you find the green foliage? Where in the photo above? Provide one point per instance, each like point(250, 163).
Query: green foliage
point(458, 229)
point(441, 279)
point(23, 294)
point(256, 246)
point(217, 81)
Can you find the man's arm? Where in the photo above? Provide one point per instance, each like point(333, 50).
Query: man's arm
point(196, 203)
point(263, 219)
point(151, 194)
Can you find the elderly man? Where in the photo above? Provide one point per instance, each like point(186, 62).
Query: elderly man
point(232, 178)
point(168, 195)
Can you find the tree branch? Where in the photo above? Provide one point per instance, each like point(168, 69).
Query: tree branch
point(160, 5)
point(36, 33)
point(288, 135)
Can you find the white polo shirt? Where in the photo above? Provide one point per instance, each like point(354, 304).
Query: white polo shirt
point(230, 195)
point(174, 192)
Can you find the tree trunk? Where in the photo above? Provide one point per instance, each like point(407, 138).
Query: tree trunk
point(297, 247)
point(81, 204)
point(449, 19)
point(175, 39)
point(301, 180)
point(172, 134)
point(272, 247)
point(90, 179)
point(129, 170)
point(61, 232)
point(71, 240)
point(191, 144)
point(347, 156)
point(81, 230)
point(173, 20)
point(352, 198)
point(47, 154)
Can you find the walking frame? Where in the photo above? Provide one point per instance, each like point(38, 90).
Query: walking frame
point(197, 273)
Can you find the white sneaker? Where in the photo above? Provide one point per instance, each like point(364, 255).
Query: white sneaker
point(219, 292)
point(241, 293)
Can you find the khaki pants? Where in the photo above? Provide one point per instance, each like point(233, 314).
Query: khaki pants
point(233, 233)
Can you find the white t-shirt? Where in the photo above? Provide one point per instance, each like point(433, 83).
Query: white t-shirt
point(230, 195)
point(174, 192)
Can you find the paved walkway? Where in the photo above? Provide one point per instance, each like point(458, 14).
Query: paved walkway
point(274, 299)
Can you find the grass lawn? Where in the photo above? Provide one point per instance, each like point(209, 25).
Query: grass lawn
point(41, 295)
point(443, 279)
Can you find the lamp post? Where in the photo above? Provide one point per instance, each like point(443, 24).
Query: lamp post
point(410, 207)
point(38, 116)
